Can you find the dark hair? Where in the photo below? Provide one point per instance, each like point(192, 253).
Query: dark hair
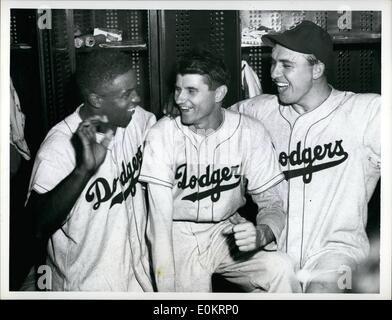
point(206, 63)
point(100, 67)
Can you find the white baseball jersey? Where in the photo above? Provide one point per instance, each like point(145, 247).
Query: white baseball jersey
point(331, 161)
point(209, 174)
point(101, 246)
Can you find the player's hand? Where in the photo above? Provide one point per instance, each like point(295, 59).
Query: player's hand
point(247, 236)
point(93, 153)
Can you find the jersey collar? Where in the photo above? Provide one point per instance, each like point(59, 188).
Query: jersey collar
point(227, 128)
point(334, 100)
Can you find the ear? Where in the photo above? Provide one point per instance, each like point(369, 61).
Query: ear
point(94, 100)
point(318, 70)
point(220, 93)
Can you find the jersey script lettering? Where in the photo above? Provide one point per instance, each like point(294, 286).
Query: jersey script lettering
point(209, 178)
point(308, 156)
point(101, 191)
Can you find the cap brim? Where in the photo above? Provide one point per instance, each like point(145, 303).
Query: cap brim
point(269, 39)
point(288, 42)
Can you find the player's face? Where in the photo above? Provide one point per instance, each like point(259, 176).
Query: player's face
point(292, 74)
point(119, 98)
point(196, 101)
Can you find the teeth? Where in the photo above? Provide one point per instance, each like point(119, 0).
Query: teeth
point(185, 108)
point(281, 84)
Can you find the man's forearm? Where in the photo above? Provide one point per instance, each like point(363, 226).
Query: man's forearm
point(51, 209)
point(160, 235)
point(264, 235)
point(270, 214)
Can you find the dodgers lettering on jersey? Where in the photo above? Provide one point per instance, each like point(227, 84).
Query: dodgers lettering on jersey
point(309, 157)
point(212, 179)
point(101, 190)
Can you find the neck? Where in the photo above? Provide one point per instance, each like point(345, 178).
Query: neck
point(216, 120)
point(314, 98)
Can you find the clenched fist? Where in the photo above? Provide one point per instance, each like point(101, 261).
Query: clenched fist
point(247, 236)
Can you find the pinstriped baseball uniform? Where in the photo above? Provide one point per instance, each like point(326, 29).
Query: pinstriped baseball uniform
point(208, 176)
point(331, 160)
point(101, 246)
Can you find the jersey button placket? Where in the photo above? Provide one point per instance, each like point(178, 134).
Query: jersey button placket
point(204, 161)
point(296, 190)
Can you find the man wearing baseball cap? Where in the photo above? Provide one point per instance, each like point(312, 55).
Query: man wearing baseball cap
point(328, 146)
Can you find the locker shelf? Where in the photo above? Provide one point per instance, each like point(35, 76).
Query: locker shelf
point(124, 47)
point(338, 38)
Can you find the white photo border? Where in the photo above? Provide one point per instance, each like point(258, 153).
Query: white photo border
point(385, 6)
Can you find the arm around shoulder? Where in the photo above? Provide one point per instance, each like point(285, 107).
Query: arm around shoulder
point(257, 106)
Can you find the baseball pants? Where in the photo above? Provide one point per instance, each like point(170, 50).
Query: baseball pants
point(200, 249)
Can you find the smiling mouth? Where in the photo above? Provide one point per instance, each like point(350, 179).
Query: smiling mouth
point(185, 109)
point(281, 86)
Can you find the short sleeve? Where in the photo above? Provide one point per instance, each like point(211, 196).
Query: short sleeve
point(157, 166)
point(244, 107)
point(257, 107)
point(262, 169)
point(54, 161)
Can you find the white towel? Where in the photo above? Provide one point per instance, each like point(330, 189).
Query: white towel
point(249, 81)
point(17, 123)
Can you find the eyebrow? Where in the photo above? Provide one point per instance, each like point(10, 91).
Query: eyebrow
point(189, 88)
point(126, 91)
point(283, 60)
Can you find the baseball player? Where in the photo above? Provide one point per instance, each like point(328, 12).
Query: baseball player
point(328, 146)
point(198, 167)
point(84, 188)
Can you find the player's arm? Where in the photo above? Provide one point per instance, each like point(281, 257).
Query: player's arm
point(269, 223)
point(261, 169)
point(271, 217)
point(159, 232)
point(51, 209)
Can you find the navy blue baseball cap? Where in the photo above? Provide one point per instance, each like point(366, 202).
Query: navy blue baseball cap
point(306, 37)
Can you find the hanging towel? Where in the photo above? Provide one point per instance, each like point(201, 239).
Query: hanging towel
point(249, 81)
point(17, 123)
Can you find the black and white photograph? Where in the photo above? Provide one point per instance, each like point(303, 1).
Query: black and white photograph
point(196, 150)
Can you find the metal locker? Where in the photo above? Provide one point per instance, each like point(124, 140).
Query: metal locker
point(183, 30)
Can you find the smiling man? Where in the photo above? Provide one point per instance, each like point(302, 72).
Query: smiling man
point(198, 168)
point(84, 190)
point(328, 145)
